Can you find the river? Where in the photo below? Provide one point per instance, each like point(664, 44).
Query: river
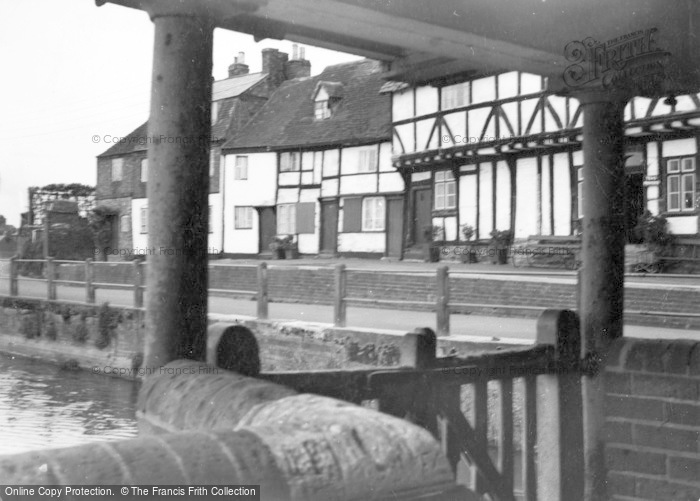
point(45, 406)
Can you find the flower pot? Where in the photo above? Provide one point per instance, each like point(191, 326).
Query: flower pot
point(502, 256)
point(469, 255)
point(433, 253)
point(277, 253)
point(291, 254)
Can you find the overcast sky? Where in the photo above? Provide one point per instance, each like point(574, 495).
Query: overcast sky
point(71, 70)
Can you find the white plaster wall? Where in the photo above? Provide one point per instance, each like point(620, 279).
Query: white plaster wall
point(419, 176)
point(287, 196)
point(357, 184)
point(526, 198)
point(426, 100)
point(405, 132)
point(546, 199)
point(450, 226)
point(683, 225)
point(511, 111)
point(652, 159)
point(457, 124)
point(502, 196)
point(385, 164)
point(559, 105)
point(329, 187)
point(483, 90)
point(485, 200)
point(641, 105)
point(530, 83)
point(287, 178)
point(562, 195)
point(477, 122)
point(349, 160)
point(467, 201)
point(527, 108)
point(679, 147)
point(508, 85)
point(331, 162)
point(362, 242)
point(390, 182)
point(423, 129)
point(139, 240)
point(258, 190)
point(307, 159)
point(402, 105)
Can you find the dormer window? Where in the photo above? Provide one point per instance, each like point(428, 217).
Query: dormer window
point(326, 98)
point(321, 110)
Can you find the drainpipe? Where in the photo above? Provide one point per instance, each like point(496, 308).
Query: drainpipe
point(178, 187)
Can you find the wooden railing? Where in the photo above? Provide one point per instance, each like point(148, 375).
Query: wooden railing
point(429, 391)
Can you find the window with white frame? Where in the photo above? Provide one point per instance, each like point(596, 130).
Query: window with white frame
point(680, 184)
point(286, 219)
point(367, 160)
point(445, 190)
point(579, 193)
point(144, 170)
point(373, 214)
point(240, 170)
point(144, 219)
point(289, 161)
point(125, 224)
point(117, 169)
point(243, 218)
point(322, 110)
point(455, 96)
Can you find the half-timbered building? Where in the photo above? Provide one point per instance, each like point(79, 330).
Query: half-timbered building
point(501, 153)
point(315, 163)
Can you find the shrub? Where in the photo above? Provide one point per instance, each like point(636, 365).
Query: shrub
point(80, 334)
point(107, 322)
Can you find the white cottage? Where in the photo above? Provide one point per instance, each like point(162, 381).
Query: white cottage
point(315, 163)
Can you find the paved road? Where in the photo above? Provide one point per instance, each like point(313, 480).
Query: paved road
point(518, 329)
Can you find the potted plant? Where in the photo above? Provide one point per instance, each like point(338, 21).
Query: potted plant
point(433, 234)
point(278, 247)
point(468, 251)
point(291, 249)
point(653, 232)
point(500, 243)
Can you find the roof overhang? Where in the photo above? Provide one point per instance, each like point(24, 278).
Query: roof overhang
point(435, 41)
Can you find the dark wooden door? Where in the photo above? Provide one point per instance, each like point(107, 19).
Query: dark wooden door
point(268, 227)
point(421, 215)
point(394, 231)
point(329, 226)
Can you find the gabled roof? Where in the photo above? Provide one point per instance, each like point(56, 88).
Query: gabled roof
point(221, 89)
point(286, 120)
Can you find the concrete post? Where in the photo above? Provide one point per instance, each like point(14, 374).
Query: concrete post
point(603, 251)
point(178, 185)
point(262, 291)
point(138, 284)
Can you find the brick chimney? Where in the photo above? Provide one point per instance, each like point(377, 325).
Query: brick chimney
point(274, 64)
point(238, 67)
point(298, 67)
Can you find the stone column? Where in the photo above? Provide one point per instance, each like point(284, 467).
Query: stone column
point(178, 186)
point(602, 280)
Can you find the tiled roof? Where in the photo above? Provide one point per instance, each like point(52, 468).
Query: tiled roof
point(221, 89)
point(287, 118)
point(235, 86)
point(135, 141)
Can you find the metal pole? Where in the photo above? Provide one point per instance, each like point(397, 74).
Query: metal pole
point(14, 280)
point(602, 281)
point(178, 186)
point(89, 279)
point(50, 277)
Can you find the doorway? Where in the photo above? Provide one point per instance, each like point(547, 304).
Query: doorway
point(329, 226)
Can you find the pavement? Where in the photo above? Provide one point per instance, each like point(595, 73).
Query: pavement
point(510, 329)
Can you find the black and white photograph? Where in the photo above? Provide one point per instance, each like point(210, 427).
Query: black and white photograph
point(350, 250)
